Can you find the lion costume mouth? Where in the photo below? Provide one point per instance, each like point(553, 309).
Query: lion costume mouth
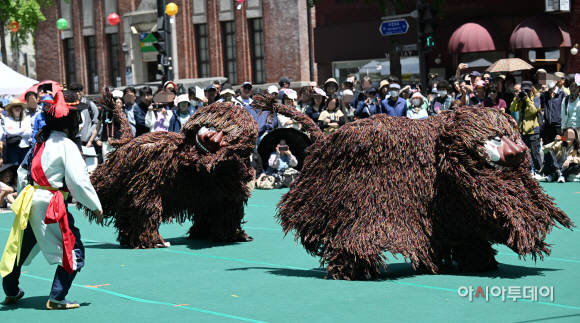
point(504, 153)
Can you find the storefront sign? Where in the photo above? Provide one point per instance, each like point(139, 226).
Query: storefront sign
point(147, 41)
point(557, 5)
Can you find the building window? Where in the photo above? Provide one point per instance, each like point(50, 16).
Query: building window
point(202, 51)
point(69, 49)
point(115, 67)
point(259, 72)
point(93, 86)
point(229, 37)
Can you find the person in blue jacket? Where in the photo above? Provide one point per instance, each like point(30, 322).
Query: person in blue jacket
point(39, 119)
point(184, 111)
point(394, 105)
point(368, 107)
point(264, 126)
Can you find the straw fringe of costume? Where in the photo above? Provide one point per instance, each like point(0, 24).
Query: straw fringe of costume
point(165, 176)
point(421, 188)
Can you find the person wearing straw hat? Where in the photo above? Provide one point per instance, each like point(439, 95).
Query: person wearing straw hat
point(49, 172)
point(18, 132)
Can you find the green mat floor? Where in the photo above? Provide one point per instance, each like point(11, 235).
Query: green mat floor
point(274, 280)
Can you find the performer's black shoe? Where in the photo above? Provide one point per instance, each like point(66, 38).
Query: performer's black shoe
point(9, 300)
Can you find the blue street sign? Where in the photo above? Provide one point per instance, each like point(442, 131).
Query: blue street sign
point(394, 27)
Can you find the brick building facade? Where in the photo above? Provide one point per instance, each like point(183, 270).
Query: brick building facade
point(261, 42)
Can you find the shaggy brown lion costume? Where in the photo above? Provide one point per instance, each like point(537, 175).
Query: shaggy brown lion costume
point(437, 190)
point(199, 174)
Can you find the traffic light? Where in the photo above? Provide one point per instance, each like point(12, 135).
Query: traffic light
point(427, 26)
point(163, 46)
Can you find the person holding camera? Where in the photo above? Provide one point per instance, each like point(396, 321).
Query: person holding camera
point(528, 106)
point(158, 117)
point(280, 165)
point(370, 106)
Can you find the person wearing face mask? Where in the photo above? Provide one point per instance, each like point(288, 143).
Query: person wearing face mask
point(416, 110)
point(193, 100)
point(561, 157)
point(552, 106)
point(394, 106)
point(443, 98)
point(368, 107)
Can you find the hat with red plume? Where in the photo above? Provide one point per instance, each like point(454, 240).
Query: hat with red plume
point(64, 102)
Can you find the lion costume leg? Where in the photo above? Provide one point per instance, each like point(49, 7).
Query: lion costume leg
point(221, 222)
point(139, 230)
point(475, 256)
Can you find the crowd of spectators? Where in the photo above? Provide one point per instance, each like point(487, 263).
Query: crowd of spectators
point(547, 114)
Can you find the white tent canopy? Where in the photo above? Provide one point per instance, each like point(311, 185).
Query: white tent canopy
point(12, 82)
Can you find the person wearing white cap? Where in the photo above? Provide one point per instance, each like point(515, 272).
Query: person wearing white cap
point(394, 105)
point(272, 89)
point(289, 99)
point(184, 111)
point(415, 110)
point(246, 93)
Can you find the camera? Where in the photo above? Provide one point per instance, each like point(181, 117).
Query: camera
point(522, 94)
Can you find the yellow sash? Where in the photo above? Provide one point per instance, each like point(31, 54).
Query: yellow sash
point(21, 207)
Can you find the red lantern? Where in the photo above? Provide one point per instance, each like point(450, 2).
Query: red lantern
point(14, 26)
point(113, 19)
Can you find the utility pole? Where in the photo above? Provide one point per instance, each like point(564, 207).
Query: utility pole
point(420, 50)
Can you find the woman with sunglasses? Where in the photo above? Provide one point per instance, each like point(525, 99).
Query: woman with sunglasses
point(493, 100)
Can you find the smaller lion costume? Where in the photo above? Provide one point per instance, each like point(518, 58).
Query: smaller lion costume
point(435, 191)
point(198, 174)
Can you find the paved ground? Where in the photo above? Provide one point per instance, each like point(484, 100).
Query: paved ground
point(274, 280)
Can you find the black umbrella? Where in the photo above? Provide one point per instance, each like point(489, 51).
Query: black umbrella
point(296, 140)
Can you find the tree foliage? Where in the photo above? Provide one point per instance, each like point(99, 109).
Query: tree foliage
point(27, 13)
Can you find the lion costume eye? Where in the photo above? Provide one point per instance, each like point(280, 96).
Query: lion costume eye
point(205, 129)
point(491, 147)
point(496, 141)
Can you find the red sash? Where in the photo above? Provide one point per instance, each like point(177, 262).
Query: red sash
point(56, 211)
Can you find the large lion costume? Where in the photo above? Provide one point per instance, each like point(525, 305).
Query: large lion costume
point(435, 191)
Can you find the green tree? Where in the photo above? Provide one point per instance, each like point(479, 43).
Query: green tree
point(390, 8)
point(27, 13)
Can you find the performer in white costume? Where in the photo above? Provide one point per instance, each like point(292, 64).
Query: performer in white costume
point(51, 170)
